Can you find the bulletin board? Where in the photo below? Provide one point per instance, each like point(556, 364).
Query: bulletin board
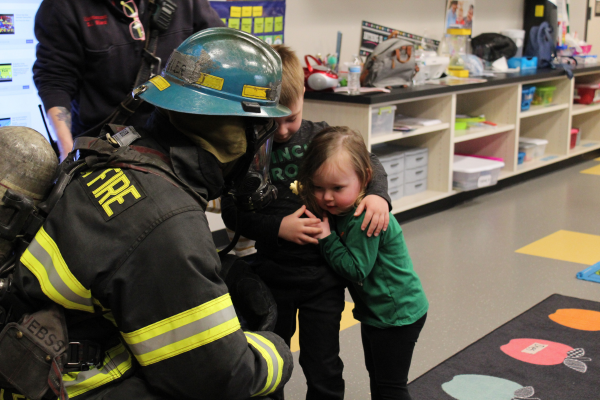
point(264, 19)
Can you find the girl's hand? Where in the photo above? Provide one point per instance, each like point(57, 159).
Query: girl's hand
point(299, 230)
point(377, 214)
point(324, 225)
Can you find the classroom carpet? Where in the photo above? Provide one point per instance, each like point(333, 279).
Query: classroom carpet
point(549, 352)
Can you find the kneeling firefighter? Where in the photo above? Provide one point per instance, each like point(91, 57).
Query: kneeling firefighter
point(120, 293)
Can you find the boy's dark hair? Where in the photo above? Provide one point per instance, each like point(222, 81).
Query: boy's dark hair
point(332, 141)
point(292, 78)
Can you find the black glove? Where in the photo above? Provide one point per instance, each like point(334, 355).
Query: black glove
point(250, 295)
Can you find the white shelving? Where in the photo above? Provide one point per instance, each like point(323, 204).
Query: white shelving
point(475, 133)
point(539, 110)
point(419, 199)
point(402, 135)
point(500, 104)
point(583, 108)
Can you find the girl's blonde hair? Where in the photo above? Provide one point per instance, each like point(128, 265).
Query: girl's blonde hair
point(326, 144)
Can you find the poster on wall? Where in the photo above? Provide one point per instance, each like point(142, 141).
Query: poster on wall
point(459, 14)
point(263, 19)
point(7, 24)
point(373, 34)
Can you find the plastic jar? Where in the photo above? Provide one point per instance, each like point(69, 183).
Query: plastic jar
point(354, 79)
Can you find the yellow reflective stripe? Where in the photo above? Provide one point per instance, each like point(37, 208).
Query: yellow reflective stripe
point(265, 355)
point(273, 359)
point(116, 362)
point(183, 332)
point(160, 82)
point(255, 92)
point(44, 260)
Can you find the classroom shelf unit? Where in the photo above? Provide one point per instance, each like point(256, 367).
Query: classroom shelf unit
point(499, 100)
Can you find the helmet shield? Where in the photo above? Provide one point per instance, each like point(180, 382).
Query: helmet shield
point(219, 71)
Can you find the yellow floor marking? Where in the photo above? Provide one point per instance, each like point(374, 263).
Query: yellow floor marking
point(570, 246)
point(592, 171)
point(347, 321)
point(597, 159)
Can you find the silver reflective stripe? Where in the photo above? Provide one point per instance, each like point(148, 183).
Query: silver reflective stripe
point(274, 359)
point(186, 331)
point(84, 380)
point(59, 285)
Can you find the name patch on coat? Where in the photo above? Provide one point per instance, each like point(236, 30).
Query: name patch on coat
point(112, 190)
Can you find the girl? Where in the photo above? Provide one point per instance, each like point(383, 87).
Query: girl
point(388, 296)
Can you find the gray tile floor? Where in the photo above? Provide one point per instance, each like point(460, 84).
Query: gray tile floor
point(473, 278)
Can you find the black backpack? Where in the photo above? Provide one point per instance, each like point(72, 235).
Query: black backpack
point(492, 46)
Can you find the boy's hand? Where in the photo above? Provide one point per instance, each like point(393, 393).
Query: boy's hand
point(323, 225)
point(299, 230)
point(377, 214)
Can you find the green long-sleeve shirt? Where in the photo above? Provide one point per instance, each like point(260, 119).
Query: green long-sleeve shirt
point(386, 290)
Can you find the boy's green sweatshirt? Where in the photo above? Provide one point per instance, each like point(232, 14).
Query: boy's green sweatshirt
point(386, 290)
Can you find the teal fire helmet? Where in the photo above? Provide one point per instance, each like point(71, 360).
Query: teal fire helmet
point(219, 71)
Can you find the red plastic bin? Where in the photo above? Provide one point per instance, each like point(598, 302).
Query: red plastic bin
point(574, 137)
point(587, 93)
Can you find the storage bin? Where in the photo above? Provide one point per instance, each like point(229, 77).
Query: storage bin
point(391, 158)
point(575, 137)
point(586, 59)
point(587, 94)
point(543, 95)
point(480, 156)
point(415, 174)
point(540, 145)
point(528, 149)
point(469, 173)
point(523, 62)
point(396, 179)
point(382, 120)
point(415, 187)
point(414, 157)
point(520, 157)
point(396, 192)
point(527, 97)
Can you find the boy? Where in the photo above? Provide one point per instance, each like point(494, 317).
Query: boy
point(288, 258)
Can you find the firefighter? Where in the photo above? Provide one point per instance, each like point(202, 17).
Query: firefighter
point(127, 255)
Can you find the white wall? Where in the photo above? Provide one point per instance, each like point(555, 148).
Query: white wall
point(312, 25)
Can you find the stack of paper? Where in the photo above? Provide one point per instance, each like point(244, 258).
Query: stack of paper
point(405, 124)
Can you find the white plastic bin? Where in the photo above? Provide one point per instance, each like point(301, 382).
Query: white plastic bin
point(396, 179)
point(396, 192)
point(470, 173)
point(415, 174)
point(382, 120)
point(391, 158)
point(540, 146)
point(415, 187)
point(528, 149)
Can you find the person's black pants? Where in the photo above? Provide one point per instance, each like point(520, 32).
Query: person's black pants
point(319, 306)
point(388, 354)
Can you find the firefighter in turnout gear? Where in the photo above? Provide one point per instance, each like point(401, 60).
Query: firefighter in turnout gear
point(126, 251)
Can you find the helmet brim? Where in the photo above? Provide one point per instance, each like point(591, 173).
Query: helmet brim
point(181, 99)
